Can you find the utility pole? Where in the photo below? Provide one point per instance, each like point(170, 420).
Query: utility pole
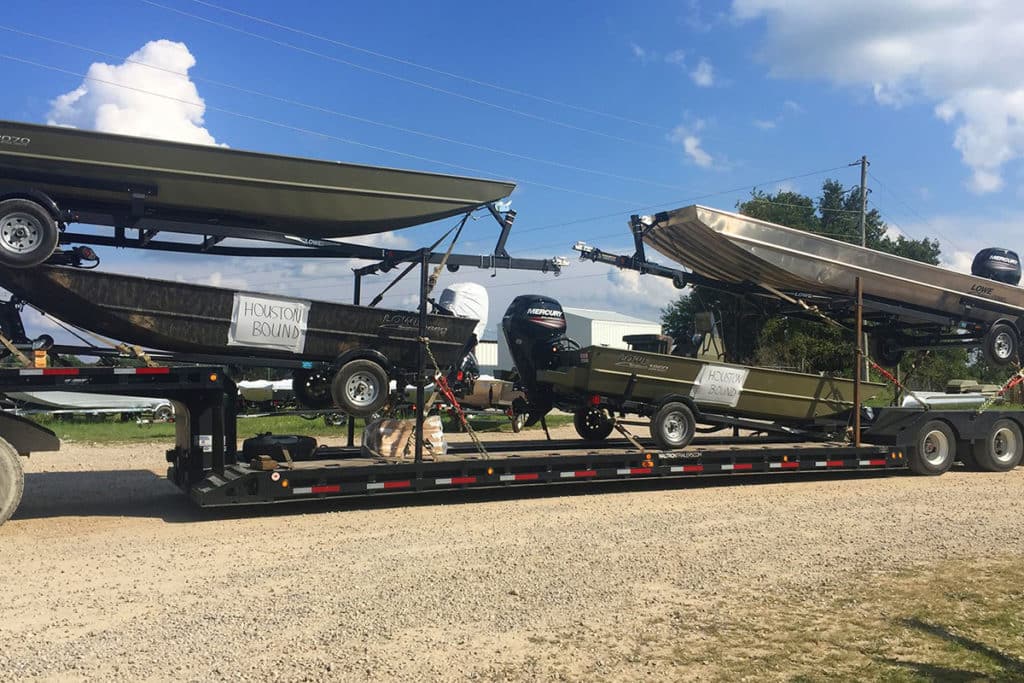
point(865, 368)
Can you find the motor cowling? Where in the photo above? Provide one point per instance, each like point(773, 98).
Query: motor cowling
point(533, 324)
point(1001, 265)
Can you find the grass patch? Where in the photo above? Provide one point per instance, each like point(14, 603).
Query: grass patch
point(956, 621)
point(111, 430)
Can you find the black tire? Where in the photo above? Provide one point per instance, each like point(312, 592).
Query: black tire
point(518, 421)
point(163, 413)
point(28, 233)
point(1001, 344)
point(12, 480)
point(312, 389)
point(592, 424)
point(1001, 449)
point(673, 426)
point(360, 387)
point(885, 350)
point(934, 449)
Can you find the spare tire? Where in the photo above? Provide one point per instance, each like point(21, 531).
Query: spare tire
point(28, 233)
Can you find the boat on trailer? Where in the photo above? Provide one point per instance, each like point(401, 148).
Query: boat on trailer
point(676, 392)
point(901, 293)
point(188, 318)
point(73, 175)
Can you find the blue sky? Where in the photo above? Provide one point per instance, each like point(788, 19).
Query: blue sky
point(661, 104)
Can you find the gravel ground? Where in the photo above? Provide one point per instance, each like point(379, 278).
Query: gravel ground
point(109, 572)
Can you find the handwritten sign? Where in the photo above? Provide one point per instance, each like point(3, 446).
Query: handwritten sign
point(269, 322)
point(719, 384)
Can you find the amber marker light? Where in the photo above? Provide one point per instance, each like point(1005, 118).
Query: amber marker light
point(284, 483)
point(213, 376)
point(490, 471)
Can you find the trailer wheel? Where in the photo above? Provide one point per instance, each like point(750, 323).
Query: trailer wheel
point(1001, 344)
point(934, 449)
point(1002, 448)
point(518, 421)
point(886, 350)
point(312, 389)
point(592, 424)
point(12, 480)
point(360, 387)
point(28, 233)
point(673, 426)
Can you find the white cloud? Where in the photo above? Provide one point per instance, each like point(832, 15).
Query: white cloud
point(959, 261)
point(765, 124)
point(704, 74)
point(676, 57)
point(117, 101)
point(642, 53)
point(963, 57)
point(686, 137)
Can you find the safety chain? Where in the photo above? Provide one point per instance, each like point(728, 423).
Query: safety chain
point(899, 385)
point(446, 390)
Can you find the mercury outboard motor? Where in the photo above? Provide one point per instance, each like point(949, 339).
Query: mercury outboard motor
point(534, 327)
point(1001, 265)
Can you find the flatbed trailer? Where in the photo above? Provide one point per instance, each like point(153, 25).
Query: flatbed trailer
point(206, 462)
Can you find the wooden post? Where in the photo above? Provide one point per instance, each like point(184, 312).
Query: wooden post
point(858, 363)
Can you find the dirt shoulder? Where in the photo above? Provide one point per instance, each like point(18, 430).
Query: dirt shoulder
point(110, 571)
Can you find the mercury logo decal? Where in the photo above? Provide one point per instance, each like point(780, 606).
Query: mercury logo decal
point(550, 312)
point(14, 140)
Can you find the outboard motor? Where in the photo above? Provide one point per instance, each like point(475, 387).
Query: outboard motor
point(1001, 265)
point(534, 327)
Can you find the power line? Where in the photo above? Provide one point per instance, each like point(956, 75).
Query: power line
point(912, 210)
point(334, 112)
point(409, 81)
point(306, 131)
point(435, 70)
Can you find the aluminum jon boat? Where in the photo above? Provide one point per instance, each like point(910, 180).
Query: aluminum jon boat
point(736, 249)
point(126, 178)
point(188, 318)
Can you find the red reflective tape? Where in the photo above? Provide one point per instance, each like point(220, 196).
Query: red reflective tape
point(790, 465)
point(397, 484)
point(333, 488)
point(60, 371)
point(531, 476)
point(152, 371)
point(463, 480)
point(693, 468)
point(877, 462)
point(743, 466)
point(834, 463)
point(585, 473)
point(640, 470)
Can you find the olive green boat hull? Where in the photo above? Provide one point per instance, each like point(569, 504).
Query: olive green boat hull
point(716, 388)
point(129, 178)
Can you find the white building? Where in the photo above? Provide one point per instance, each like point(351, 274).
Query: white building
point(591, 327)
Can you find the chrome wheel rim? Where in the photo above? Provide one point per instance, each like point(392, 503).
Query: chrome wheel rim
point(1004, 444)
point(361, 389)
point(20, 233)
point(673, 429)
point(1002, 345)
point(936, 447)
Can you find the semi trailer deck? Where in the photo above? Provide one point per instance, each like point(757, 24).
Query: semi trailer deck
point(206, 461)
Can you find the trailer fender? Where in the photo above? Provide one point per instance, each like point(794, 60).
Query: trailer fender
point(44, 200)
point(27, 436)
point(363, 354)
point(679, 398)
